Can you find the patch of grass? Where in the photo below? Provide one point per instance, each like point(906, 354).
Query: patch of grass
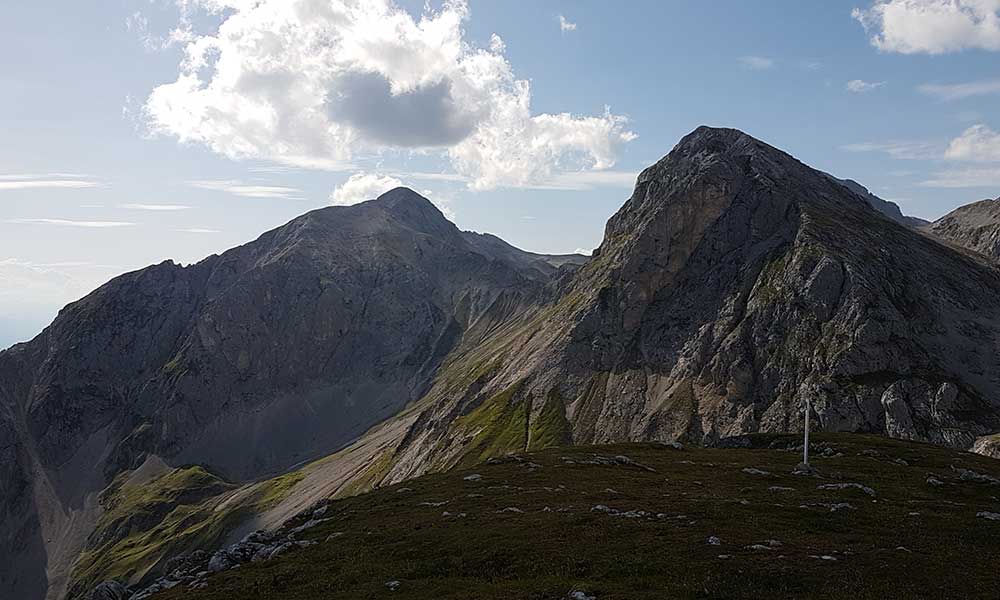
point(370, 477)
point(500, 426)
point(550, 427)
point(911, 540)
point(185, 509)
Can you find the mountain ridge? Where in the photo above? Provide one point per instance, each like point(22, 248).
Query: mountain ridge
point(359, 346)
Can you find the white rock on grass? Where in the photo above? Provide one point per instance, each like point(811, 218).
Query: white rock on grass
point(847, 486)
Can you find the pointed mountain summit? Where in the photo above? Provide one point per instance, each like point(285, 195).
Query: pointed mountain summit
point(733, 285)
point(248, 363)
point(362, 345)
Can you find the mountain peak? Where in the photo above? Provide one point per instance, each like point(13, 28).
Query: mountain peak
point(719, 140)
point(414, 210)
point(404, 201)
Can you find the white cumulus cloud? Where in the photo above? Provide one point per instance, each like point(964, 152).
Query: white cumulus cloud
point(565, 25)
point(931, 26)
point(859, 86)
point(315, 83)
point(978, 143)
point(362, 186)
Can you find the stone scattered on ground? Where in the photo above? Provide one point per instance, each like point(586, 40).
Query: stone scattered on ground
point(607, 461)
point(846, 486)
point(578, 595)
point(932, 480)
point(628, 514)
point(714, 541)
point(990, 516)
point(192, 569)
point(108, 590)
point(830, 506)
point(473, 477)
point(755, 471)
point(968, 475)
point(392, 585)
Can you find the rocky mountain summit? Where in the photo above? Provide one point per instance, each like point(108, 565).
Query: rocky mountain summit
point(180, 408)
point(974, 226)
point(272, 354)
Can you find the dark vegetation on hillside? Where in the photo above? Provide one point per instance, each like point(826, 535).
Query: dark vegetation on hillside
point(652, 521)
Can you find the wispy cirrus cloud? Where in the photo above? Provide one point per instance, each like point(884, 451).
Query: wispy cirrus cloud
point(247, 190)
point(971, 177)
point(900, 149)
point(155, 207)
point(959, 91)
point(756, 63)
point(72, 223)
point(198, 230)
point(47, 181)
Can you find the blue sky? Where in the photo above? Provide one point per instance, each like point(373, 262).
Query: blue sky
point(529, 120)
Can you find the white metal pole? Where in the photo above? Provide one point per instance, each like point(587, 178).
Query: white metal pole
point(805, 443)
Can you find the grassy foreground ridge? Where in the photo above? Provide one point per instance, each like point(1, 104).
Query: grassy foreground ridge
point(638, 521)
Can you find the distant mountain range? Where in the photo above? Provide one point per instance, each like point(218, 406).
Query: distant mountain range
point(359, 346)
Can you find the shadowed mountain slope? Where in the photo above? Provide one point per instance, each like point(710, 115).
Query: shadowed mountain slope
point(359, 346)
point(271, 354)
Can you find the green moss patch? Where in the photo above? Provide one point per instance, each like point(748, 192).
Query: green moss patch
point(185, 509)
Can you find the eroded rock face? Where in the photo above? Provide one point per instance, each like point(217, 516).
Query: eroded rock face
point(735, 283)
point(975, 226)
point(268, 355)
point(988, 445)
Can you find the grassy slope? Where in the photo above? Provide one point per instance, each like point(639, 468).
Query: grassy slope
point(182, 510)
point(389, 535)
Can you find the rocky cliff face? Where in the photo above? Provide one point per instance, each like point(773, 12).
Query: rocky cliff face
point(733, 285)
point(272, 354)
point(974, 226)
